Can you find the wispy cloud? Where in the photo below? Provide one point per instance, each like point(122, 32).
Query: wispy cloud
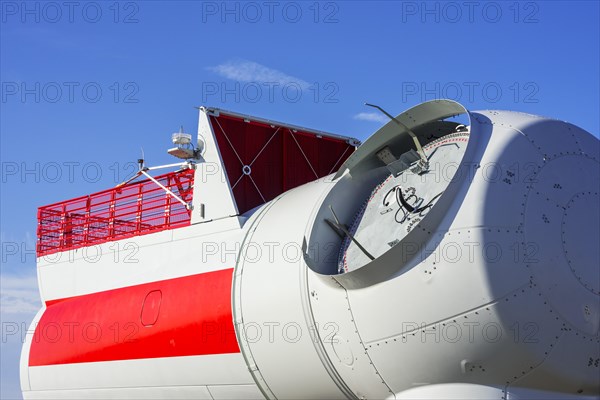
point(19, 294)
point(250, 71)
point(371, 116)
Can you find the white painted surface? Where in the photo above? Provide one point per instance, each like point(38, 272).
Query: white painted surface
point(211, 184)
point(527, 323)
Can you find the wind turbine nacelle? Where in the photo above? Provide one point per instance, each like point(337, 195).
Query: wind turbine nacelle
point(494, 282)
point(477, 278)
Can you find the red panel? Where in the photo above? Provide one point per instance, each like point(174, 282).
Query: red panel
point(131, 210)
point(193, 318)
point(280, 158)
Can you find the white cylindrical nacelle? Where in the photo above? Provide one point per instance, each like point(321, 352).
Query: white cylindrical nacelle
point(454, 255)
point(492, 289)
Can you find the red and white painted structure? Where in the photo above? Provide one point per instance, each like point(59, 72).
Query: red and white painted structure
point(220, 280)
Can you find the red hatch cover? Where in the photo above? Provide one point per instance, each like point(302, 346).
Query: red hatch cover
point(264, 159)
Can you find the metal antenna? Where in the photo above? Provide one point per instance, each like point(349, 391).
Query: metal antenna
point(141, 167)
point(424, 162)
point(141, 160)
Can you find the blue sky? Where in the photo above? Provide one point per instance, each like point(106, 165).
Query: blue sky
point(85, 86)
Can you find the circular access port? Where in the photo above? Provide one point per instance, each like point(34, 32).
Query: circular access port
point(393, 191)
point(399, 203)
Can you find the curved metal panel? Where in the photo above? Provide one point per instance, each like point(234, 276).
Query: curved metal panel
point(364, 157)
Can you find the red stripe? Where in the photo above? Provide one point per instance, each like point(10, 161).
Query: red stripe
point(181, 317)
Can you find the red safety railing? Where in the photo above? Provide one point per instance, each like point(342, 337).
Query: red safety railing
point(135, 209)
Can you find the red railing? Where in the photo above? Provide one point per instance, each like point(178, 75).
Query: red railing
point(135, 209)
